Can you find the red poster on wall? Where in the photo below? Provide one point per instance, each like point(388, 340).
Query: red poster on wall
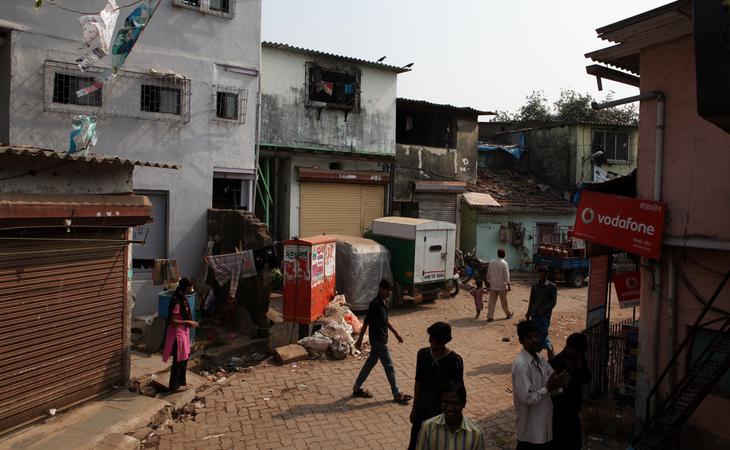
point(597, 290)
point(628, 288)
point(626, 223)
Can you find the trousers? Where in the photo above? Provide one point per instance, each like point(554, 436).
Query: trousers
point(378, 352)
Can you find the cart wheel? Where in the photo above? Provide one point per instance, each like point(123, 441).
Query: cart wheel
point(396, 299)
point(453, 287)
point(577, 279)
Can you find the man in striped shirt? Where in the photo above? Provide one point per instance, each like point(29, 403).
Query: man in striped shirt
point(451, 430)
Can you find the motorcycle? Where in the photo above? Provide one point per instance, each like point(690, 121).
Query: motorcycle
point(468, 266)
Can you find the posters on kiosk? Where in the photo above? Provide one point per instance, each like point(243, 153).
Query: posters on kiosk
point(630, 224)
point(628, 288)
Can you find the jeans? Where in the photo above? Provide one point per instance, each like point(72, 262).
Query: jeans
point(378, 352)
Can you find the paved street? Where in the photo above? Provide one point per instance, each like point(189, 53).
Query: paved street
point(309, 405)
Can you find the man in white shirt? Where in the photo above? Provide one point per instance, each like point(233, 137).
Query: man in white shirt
point(499, 285)
point(533, 382)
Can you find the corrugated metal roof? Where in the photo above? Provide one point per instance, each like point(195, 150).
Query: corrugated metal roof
point(518, 192)
point(440, 186)
point(92, 158)
point(458, 109)
point(307, 51)
point(662, 24)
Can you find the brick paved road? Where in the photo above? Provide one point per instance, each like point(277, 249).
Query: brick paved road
point(309, 406)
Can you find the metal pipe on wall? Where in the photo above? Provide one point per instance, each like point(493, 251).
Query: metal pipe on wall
point(658, 178)
point(671, 313)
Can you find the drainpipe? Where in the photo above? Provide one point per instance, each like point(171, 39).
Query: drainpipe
point(657, 271)
point(257, 145)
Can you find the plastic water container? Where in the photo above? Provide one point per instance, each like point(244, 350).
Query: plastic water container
point(163, 305)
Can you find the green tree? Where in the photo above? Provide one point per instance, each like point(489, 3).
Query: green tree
point(536, 108)
point(628, 113)
point(573, 106)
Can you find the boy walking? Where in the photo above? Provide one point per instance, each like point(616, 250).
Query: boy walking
point(376, 321)
point(543, 297)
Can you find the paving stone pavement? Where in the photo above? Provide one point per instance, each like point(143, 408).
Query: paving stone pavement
point(308, 405)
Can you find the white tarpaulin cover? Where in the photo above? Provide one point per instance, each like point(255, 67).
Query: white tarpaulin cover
point(361, 264)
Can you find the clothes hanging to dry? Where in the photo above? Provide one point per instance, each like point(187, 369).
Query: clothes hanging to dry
point(232, 267)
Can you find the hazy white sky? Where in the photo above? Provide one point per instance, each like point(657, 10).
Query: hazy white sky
point(487, 54)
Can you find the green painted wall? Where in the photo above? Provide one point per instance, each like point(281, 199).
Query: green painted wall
point(483, 231)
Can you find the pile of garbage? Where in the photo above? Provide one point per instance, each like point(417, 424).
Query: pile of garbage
point(334, 338)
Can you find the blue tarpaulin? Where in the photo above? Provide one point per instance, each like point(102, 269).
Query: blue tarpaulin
point(514, 150)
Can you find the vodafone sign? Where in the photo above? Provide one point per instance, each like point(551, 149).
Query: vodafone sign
point(630, 224)
point(628, 288)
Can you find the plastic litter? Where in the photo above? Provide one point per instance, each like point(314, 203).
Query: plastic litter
point(361, 264)
point(83, 135)
point(316, 342)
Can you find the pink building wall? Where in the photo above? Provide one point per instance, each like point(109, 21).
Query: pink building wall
point(697, 191)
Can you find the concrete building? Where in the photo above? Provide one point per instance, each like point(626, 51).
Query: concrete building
point(436, 155)
point(562, 155)
point(186, 94)
point(327, 141)
point(665, 49)
point(511, 210)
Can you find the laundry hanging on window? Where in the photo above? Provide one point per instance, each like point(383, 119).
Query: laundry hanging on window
point(328, 87)
point(349, 89)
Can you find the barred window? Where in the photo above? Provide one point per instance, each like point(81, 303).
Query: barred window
point(157, 99)
point(227, 106)
point(221, 8)
point(614, 144)
point(65, 87)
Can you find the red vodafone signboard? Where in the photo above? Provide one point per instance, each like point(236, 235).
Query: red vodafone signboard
point(630, 224)
point(628, 288)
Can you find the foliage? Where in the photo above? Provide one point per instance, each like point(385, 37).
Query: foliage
point(571, 106)
point(535, 108)
point(277, 280)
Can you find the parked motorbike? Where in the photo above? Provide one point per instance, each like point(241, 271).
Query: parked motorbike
point(469, 266)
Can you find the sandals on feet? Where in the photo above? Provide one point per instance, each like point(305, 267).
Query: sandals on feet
point(362, 393)
point(402, 399)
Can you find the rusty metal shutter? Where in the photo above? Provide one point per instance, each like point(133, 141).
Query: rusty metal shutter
point(440, 207)
point(62, 316)
point(338, 208)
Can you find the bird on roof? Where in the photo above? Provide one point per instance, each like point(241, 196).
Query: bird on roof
point(381, 59)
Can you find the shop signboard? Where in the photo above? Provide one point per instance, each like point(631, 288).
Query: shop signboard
point(628, 288)
point(630, 224)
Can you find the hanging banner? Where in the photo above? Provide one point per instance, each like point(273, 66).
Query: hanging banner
point(129, 33)
point(98, 26)
point(626, 223)
point(597, 290)
point(628, 288)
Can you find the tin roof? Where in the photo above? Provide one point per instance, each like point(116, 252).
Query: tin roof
point(440, 186)
point(667, 22)
point(518, 192)
point(34, 152)
point(307, 51)
point(442, 106)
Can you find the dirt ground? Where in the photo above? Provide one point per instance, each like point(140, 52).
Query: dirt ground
point(308, 405)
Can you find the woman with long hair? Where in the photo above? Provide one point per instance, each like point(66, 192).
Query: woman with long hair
point(177, 338)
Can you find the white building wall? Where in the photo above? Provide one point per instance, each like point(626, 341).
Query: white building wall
point(287, 122)
point(190, 43)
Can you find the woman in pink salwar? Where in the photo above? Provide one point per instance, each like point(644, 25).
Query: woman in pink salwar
point(177, 338)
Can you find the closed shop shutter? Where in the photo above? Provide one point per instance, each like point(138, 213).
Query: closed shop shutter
point(441, 207)
point(338, 208)
point(62, 316)
point(373, 204)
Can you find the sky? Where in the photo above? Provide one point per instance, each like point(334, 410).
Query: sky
point(487, 54)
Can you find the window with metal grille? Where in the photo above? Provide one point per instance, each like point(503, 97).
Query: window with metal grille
point(220, 5)
point(66, 85)
point(157, 99)
point(221, 8)
point(614, 145)
point(229, 104)
point(333, 87)
point(226, 106)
